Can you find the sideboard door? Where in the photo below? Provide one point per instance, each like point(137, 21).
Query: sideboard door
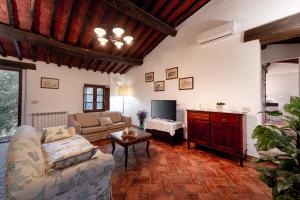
point(199, 131)
point(225, 137)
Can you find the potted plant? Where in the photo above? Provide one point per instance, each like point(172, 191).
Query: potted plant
point(281, 146)
point(220, 105)
point(141, 115)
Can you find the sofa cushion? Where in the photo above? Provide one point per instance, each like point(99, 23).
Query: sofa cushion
point(115, 116)
point(57, 133)
point(105, 121)
point(25, 160)
point(117, 125)
point(88, 119)
point(93, 129)
point(67, 152)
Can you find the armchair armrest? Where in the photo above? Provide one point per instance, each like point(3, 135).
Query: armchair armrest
point(127, 120)
point(73, 123)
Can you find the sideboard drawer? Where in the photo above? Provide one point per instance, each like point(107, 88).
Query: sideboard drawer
point(226, 118)
point(198, 115)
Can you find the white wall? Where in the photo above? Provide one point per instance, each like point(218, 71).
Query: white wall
point(69, 95)
point(282, 82)
point(227, 70)
point(279, 52)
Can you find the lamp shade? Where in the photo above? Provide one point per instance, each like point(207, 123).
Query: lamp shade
point(123, 90)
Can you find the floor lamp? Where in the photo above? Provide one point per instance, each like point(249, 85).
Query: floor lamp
point(123, 91)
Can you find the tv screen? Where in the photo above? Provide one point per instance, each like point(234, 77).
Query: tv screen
point(164, 109)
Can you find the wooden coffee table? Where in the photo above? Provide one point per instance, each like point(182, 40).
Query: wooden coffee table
point(126, 141)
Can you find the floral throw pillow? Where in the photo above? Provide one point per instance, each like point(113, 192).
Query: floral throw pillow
point(57, 133)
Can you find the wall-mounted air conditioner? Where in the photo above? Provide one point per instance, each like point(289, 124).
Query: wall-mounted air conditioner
point(217, 33)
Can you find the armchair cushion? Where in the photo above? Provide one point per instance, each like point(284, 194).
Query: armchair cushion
point(117, 125)
point(88, 119)
point(93, 129)
point(105, 121)
point(57, 133)
point(76, 149)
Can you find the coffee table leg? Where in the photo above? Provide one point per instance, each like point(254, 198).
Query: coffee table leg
point(133, 148)
point(113, 146)
point(147, 148)
point(126, 155)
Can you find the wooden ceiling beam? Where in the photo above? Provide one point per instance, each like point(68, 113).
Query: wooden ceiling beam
point(53, 16)
point(82, 60)
point(33, 51)
point(59, 59)
point(10, 11)
point(32, 16)
point(130, 9)
point(16, 64)
point(86, 20)
point(2, 50)
point(20, 35)
point(18, 49)
point(48, 55)
point(292, 61)
point(70, 17)
point(96, 68)
point(70, 62)
point(127, 69)
point(279, 30)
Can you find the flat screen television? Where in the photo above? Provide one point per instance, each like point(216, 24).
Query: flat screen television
point(163, 109)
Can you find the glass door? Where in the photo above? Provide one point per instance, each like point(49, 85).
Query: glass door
point(10, 102)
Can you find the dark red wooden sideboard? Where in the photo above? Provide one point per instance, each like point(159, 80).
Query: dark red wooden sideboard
point(221, 131)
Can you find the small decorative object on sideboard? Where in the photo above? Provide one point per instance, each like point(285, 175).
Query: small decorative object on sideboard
point(141, 115)
point(220, 105)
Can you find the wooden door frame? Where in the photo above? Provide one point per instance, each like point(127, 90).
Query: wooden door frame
point(20, 96)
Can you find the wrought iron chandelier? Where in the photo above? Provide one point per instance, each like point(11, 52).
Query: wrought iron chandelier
point(114, 36)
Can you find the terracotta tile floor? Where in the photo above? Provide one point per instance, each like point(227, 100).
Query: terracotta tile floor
point(181, 173)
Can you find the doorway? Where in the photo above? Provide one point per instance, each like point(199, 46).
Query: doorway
point(10, 102)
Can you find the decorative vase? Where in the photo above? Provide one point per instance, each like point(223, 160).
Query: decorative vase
point(141, 127)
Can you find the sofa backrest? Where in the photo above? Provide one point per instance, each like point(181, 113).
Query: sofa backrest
point(88, 119)
point(25, 160)
point(114, 115)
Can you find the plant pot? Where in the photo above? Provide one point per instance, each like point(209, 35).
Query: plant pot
point(141, 127)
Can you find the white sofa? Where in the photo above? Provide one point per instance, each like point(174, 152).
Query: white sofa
point(26, 176)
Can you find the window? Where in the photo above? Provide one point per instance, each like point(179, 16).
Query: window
point(10, 103)
point(95, 98)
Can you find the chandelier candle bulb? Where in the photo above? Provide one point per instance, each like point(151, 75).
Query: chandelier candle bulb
point(102, 41)
point(128, 39)
point(119, 44)
point(100, 32)
point(118, 31)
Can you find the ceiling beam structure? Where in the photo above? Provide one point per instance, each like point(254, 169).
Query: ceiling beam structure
point(53, 16)
point(35, 39)
point(18, 49)
point(130, 9)
point(2, 50)
point(276, 31)
point(16, 64)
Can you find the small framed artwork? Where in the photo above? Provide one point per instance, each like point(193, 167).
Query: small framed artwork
point(172, 73)
point(186, 83)
point(149, 77)
point(159, 86)
point(49, 83)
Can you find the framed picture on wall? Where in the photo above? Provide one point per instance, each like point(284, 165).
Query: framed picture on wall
point(149, 77)
point(172, 73)
point(49, 83)
point(159, 86)
point(186, 83)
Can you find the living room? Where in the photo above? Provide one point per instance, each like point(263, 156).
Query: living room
point(66, 69)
